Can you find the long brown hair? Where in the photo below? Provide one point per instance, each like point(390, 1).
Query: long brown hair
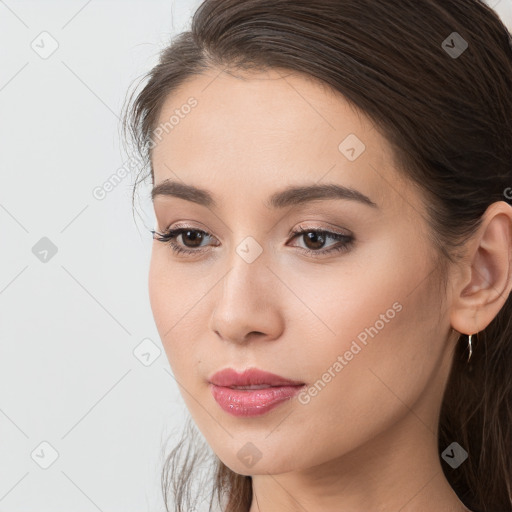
point(448, 118)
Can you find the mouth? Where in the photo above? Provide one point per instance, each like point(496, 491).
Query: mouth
point(252, 392)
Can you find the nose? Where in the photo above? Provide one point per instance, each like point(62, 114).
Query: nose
point(247, 303)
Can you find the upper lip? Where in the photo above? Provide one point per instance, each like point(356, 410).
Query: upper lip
point(250, 377)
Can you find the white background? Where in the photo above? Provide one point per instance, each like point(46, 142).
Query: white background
point(69, 326)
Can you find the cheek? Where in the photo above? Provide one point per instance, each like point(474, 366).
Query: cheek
point(376, 340)
point(166, 302)
point(178, 312)
point(158, 288)
point(168, 288)
point(364, 303)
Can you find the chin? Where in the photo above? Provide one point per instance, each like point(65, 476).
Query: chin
point(258, 458)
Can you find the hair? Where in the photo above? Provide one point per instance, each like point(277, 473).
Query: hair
point(448, 120)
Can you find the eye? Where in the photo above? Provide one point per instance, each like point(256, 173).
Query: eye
point(195, 235)
point(315, 240)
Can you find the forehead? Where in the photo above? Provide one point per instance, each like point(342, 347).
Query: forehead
point(262, 129)
point(278, 108)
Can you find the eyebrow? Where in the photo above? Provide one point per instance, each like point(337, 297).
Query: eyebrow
point(291, 196)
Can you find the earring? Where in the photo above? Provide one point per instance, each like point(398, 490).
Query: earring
point(470, 347)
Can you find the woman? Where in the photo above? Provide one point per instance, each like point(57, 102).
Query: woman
point(331, 266)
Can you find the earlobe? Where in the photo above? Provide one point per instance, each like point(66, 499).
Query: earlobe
point(488, 273)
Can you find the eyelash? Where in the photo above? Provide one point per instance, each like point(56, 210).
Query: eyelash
point(169, 235)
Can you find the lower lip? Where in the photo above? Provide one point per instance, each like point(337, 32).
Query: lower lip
point(253, 402)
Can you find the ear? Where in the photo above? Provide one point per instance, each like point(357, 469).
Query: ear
point(485, 280)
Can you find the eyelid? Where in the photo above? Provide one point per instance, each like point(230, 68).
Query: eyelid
point(324, 228)
point(185, 224)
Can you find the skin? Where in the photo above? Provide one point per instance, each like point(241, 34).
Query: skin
point(368, 439)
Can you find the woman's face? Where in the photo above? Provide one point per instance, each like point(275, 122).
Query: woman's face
point(363, 328)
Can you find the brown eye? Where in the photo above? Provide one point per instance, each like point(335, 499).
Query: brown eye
point(315, 239)
point(190, 240)
point(195, 236)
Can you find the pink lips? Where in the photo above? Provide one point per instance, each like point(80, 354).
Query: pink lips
point(252, 392)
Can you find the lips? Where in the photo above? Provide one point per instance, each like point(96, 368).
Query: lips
point(250, 378)
point(252, 392)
